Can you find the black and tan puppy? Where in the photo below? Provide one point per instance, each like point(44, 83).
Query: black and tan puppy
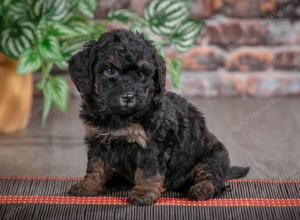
point(137, 130)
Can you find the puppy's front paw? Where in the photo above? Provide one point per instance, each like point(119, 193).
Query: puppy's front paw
point(143, 196)
point(85, 189)
point(202, 191)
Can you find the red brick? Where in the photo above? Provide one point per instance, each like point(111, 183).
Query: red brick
point(285, 9)
point(247, 8)
point(259, 8)
point(224, 33)
point(296, 29)
point(205, 8)
point(138, 5)
point(287, 60)
point(202, 9)
point(249, 59)
point(208, 85)
point(230, 34)
point(203, 58)
point(254, 33)
point(104, 6)
point(279, 32)
point(267, 85)
point(241, 84)
point(296, 13)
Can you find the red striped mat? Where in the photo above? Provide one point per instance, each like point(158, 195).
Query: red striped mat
point(251, 199)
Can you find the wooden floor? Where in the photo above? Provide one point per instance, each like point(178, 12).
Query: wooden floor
point(261, 133)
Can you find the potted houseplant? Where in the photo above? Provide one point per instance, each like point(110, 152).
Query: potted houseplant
point(35, 35)
point(15, 96)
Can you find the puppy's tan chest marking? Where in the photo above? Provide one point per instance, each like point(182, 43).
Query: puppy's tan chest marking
point(134, 133)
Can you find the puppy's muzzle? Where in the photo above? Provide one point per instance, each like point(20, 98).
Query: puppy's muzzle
point(127, 100)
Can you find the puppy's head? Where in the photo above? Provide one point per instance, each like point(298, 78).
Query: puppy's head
point(120, 71)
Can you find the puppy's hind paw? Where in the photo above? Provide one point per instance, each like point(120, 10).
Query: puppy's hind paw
point(201, 191)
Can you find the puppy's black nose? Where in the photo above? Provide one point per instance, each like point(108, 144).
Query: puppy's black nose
point(127, 98)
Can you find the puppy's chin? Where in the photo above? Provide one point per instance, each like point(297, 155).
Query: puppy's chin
point(124, 110)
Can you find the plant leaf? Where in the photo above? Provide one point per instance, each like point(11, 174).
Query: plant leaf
point(55, 90)
point(51, 10)
point(75, 34)
point(17, 10)
point(88, 7)
point(62, 64)
point(125, 16)
point(60, 90)
point(29, 62)
point(165, 16)
point(47, 93)
point(185, 36)
point(16, 39)
point(36, 9)
point(64, 30)
point(175, 70)
point(49, 48)
point(72, 44)
point(56, 10)
point(73, 29)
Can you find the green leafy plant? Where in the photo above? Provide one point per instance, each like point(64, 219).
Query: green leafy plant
point(165, 22)
point(41, 34)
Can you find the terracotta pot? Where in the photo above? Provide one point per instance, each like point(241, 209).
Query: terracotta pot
point(16, 94)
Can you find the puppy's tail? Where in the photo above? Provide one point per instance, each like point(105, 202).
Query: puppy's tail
point(237, 172)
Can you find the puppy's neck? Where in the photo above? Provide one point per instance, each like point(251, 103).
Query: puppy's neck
point(134, 133)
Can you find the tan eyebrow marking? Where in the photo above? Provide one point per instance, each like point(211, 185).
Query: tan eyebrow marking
point(115, 62)
point(142, 62)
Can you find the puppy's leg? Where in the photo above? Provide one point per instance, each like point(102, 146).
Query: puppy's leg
point(98, 173)
point(148, 182)
point(147, 190)
point(208, 176)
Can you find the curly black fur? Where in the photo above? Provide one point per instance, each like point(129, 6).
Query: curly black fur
point(137, 130)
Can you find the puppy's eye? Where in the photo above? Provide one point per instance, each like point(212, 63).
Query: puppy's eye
point(110, 72)
point(140, 75)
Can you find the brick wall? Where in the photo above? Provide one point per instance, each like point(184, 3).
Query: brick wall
point(248, 47)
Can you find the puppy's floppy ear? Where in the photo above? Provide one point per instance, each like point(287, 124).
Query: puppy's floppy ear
point(159, 77)
point(81, 67)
